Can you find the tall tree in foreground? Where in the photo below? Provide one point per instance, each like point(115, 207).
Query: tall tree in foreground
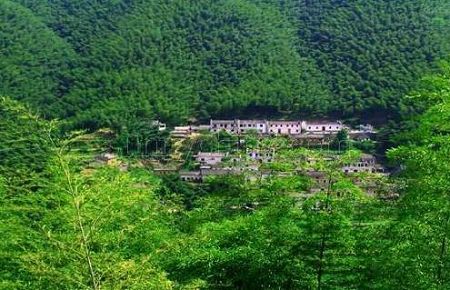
point(67, 227)
point(419, 255)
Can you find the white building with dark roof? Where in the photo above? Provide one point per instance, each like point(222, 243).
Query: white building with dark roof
point(323, 127)
point(230, 126)
point(366, 163)
point(210, 158)
point(259, 126)
point(284, 128)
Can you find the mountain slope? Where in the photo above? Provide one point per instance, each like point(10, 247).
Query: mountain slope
point(34, 61)
point(372, 52)
point(173, 61)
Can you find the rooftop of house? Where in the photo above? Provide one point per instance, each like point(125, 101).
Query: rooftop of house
point(285, 122)
point(366, 156)
point(210, 154)
point(182, 128)
point(323, 123)
point(252, 121)
point(223, 121)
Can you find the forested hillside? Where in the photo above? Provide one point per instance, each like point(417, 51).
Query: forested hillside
point(372, 52)
point(125, 205)
point(100, 63)
point(68, 222)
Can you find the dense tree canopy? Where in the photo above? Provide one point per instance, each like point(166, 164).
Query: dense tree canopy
point(71, 220)
point(97, 62)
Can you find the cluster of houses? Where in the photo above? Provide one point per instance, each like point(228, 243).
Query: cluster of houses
point(219, 164)
point(275, 128)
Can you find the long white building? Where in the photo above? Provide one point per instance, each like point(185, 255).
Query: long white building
point(287, 128)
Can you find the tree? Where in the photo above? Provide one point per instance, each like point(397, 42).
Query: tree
point(341, 141)
point(419, 255)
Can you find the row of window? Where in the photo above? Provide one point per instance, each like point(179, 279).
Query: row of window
point(323, 128)
point(361, 170)
point(288, 125)
point(361, 164)
point(273, 125)
point(279, 131)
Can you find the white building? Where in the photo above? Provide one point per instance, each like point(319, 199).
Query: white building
point(261, 155)
point(209, 158)
point(259, 126)
point(191, 176)
point(181, 131)
point(284, 127)
point(323, 127)
point(229, 126)
point(161, 126)
point(366, 163)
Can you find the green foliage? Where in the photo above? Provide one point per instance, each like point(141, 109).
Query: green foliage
point(35, 62)
point(68, 225)
point(341, 141)
point(102, 63)
point(141, 137)
point(372, 52)
point(86, 230)
point(25, 147)
point(422, 234)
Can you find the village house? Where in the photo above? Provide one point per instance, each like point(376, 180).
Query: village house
point(107, 158)
point(158, 124)
point(321, 182)
point(323, 127)
point(229, 126)
point(209, 158)
point(362, 132)
point(366, 163)
point(284, 128)
point(259, 126)
point(181, 131)
point(191, 176)
point(261, 155)
point(200, 175)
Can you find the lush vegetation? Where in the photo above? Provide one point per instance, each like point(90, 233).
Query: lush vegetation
point(86, 226)
point(71, 218)
point(111, 62)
